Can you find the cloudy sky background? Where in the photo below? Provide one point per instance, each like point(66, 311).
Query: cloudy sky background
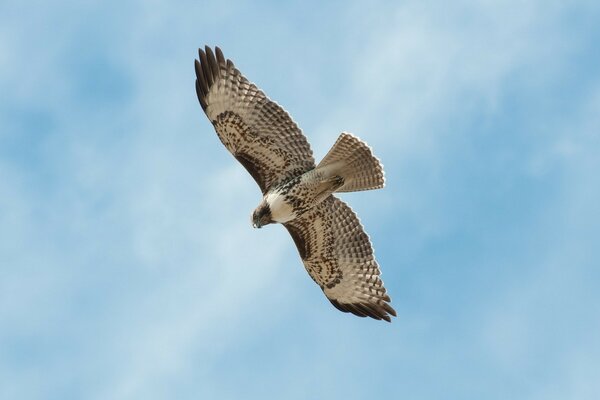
point(128, 266)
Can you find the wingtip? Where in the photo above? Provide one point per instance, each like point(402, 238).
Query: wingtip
point(220, 56)
point(197, 67)
point(201, 84)
point(208, 67)
point(201, 97)
point(388, 308)
point(376, 311)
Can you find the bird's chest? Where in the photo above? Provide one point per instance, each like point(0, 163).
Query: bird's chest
point(281, 209)
point(288, 202)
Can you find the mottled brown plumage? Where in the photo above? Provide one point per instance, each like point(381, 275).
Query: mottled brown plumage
point(337, 254)
point(331, 241)
point(256, 130)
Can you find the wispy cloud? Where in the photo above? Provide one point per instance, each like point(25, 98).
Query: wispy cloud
point(129, 267)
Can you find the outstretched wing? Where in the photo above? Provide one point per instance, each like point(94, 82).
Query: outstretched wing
point(257, 131)
point(338, 256)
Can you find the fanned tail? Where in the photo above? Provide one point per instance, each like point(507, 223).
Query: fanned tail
point(352, 159)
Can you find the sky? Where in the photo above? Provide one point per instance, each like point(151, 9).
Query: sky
point(128, 265)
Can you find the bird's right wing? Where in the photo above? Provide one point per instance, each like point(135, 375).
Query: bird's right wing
point(338, 256)
point(257, 131)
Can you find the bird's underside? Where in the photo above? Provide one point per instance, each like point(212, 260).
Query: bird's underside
point(334, 248)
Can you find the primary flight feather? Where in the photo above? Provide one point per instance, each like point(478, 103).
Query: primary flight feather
point(332, 243)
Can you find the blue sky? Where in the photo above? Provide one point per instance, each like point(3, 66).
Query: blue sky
point(128, 265)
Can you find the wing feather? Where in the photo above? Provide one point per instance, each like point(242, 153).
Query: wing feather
point(338, 256)
point(256, 130)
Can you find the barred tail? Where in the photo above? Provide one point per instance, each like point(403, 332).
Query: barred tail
point(352, 159)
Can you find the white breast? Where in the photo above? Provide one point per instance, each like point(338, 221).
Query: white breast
point(281, 211)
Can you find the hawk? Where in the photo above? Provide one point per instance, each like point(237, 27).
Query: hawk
point(297, 193)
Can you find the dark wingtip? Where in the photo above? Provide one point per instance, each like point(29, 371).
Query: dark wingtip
point(368, 310)
point(356, 310)
point(212, 63)
point(201, 86)
point(200, 77)
point(220, 57)
point(389, 309)
point(205, 68)
point(197, 67)
point(208, 70)
point(337, 305)
point(200, 95)
point(375, 311)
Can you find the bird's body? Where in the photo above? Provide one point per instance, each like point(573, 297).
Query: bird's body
point(334, 248)
point(295, 196)
point(280, 207)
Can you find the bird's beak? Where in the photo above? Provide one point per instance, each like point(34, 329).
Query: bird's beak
point(256, 223)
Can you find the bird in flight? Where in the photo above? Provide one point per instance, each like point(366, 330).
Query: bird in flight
point(297, 193)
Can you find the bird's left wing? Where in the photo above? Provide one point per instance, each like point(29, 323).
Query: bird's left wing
point(338, 256)
point(257, 131)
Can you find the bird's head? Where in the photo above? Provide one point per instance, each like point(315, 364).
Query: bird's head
point(262, 215)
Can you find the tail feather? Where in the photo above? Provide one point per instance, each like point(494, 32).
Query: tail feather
point(352, 160)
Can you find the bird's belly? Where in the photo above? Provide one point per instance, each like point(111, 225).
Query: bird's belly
point(281, 210)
